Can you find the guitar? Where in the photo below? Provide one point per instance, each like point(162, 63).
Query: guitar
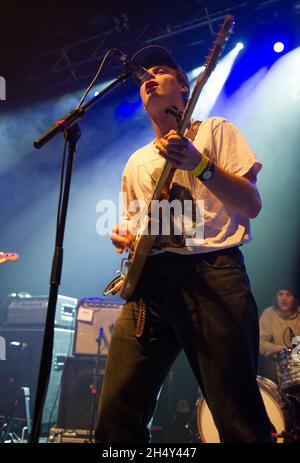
point(131, 268)
point(5, 256)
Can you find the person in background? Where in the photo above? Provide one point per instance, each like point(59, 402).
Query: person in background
point(278, 324)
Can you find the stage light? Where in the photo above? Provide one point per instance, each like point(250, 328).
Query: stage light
point(278, 47)
point(126, 109)
point(96, 93)
point(215, 83)
point(196, 72)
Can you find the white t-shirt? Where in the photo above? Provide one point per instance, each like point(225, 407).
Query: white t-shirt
point(224, 144)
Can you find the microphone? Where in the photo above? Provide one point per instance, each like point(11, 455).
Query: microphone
point(294, 339)
point(140, 73)
point(101, 335)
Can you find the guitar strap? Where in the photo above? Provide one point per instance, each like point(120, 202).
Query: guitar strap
point(141, 305)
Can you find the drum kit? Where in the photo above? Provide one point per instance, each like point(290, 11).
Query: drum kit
point(282, 402)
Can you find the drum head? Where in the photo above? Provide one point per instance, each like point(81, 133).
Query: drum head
point(207, 429)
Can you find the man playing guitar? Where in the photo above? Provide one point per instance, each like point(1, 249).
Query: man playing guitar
point(193, 293)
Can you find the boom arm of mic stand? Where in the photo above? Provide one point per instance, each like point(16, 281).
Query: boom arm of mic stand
point(76, 114)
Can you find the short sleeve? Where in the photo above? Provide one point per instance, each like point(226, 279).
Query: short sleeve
point(232, 151)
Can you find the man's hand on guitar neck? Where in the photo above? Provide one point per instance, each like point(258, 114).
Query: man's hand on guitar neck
point(121, 238)
point(179, 151)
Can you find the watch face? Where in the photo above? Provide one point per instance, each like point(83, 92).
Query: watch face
point(207, 174)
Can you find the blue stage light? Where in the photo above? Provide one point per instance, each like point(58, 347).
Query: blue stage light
point(239, 45)
point(126, 109)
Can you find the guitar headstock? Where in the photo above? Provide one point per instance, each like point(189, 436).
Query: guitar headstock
point(221, 40)
point(5, 256)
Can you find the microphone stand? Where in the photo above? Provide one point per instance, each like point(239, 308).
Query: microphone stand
point(68, 125)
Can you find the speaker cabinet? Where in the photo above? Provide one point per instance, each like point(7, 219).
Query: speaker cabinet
point(20, 368)
point(93, 316)
point(63, 343)
point(77, 399)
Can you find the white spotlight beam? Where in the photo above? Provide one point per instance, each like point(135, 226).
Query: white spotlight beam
point(215, 83)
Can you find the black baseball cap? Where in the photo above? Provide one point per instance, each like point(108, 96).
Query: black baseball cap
point(155, 55)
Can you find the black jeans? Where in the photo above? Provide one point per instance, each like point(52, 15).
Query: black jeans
point(203, 304)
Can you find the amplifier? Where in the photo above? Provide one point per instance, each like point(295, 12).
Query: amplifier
point(32, 310)
point(63, 343)
point(92, 315)
point(78, 399)
point(20, 368)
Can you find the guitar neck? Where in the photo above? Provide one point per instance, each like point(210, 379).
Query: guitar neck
point(6, 256)
point(209, 66)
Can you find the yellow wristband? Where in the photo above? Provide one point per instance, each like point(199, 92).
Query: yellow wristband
point(201, 166)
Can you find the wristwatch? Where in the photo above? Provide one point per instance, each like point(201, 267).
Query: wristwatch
point(208, 172)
